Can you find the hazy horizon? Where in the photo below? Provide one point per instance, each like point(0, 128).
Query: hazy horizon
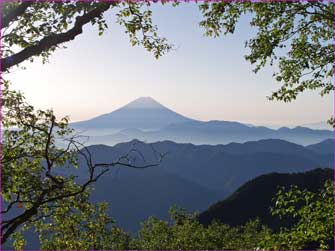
point(203, 78)
point(273, 126)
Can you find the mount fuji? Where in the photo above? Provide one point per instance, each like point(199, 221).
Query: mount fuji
point(144, 113)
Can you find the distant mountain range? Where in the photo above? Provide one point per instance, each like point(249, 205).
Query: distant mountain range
point(324, 147)
point(191, 176)
point(254, 199)
point(147, 120)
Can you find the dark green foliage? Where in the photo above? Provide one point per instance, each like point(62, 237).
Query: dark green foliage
point(185, 232)
point(33, 191)
point(85, 227)
point(29, 158)
point(313, 228)
point(314, 215)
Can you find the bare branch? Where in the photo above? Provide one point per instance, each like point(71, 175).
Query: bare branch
point(55, 192)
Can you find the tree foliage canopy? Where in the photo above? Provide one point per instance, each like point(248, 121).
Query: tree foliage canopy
point(298, 36)
point(33, 184)
point(86, 227)
point(31, 29)
point(40, 168)
point(314, 213)
point(185, 232)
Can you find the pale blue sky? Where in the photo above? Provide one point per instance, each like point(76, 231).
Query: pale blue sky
point(204, 78)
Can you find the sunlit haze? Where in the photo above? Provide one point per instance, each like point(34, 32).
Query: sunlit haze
point(202, 78)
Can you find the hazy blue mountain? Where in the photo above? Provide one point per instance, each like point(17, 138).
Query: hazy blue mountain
point(278, 146)
point(136, 196)
point(148, 120)
point(223, 132)
point(190, 176)
point(254, 198)
point(142, 113)
point(208, 165)
point(206, 134)
point(324, 147)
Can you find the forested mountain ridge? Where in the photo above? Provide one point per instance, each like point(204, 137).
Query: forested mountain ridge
point(255, 198)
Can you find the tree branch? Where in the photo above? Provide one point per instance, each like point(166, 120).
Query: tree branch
point(54, 39)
